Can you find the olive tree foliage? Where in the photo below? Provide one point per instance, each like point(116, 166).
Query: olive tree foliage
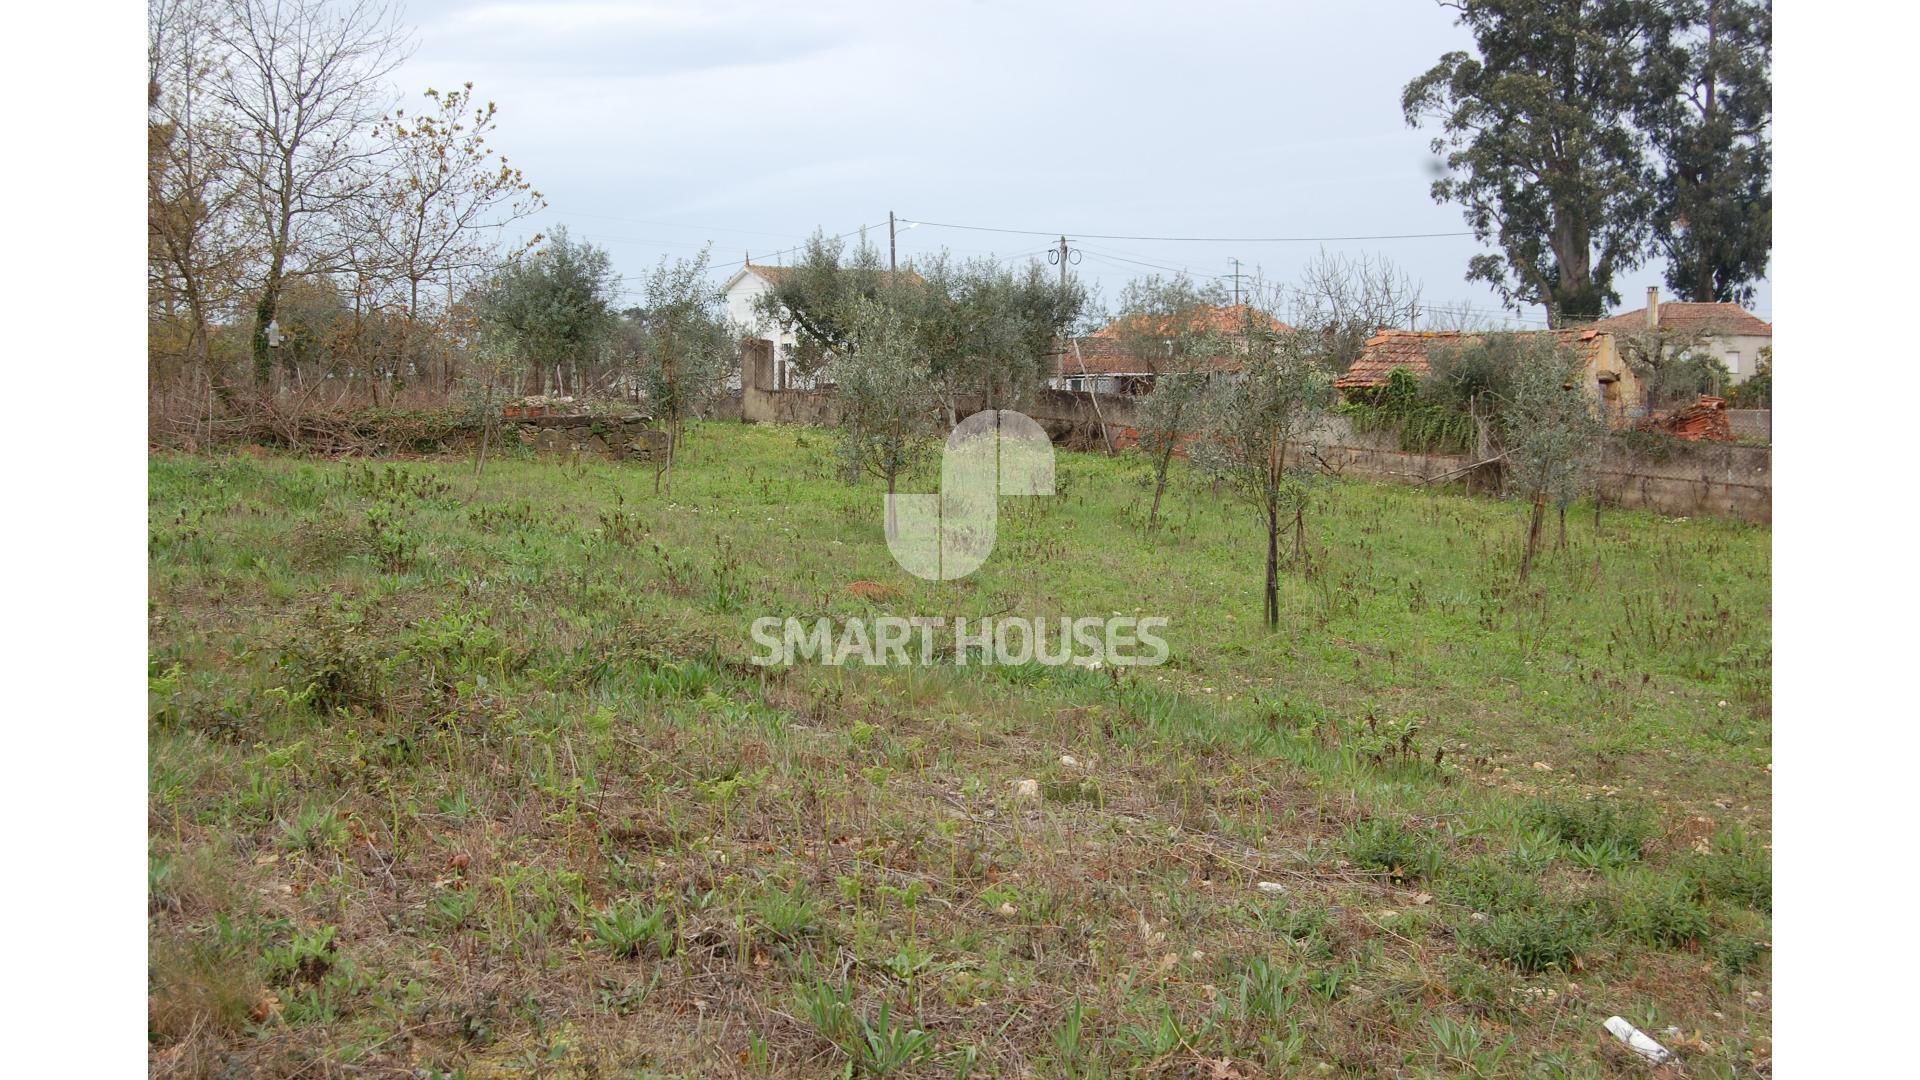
point(987, 331)
point(303, 81)
point(1007, 325)
point(1169, 326)
point(817, 298)
point(552, 309)
point(1676, 364)
point(685, 347)
point(1549, 428)
point(887, 396)
point(1256, 428)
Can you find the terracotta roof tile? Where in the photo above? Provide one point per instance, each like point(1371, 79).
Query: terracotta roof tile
point(1699, 318)
point(1105, 352)
point(1391, 349)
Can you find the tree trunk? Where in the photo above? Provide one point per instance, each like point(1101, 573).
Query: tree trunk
point(1273, 566)
point(263, 314)
point(486, 428)
point(1160, 485)
point(1561, 543)
point(1533, 533)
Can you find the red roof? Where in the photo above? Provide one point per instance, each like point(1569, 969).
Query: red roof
point(1687, 317)
point(1106, 350)
point(1391, 349)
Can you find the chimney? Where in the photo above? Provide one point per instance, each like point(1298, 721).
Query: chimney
point(1653, 307)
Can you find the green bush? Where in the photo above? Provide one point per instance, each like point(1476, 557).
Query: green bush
point(1532, 939)
point(1736, 869)
point(1658, 912)
point(1597, 825)
point(1379, 844)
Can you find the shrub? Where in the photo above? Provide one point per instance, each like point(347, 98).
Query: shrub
point(1658, 912)
point(1532, 939)
point(1598, 825)
point(1736, 869)
point(1379, 844)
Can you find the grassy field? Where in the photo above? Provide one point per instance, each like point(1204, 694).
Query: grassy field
point(457, 777)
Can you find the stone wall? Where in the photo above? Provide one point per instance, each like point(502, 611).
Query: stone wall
point(1665, 475)
point(620, 438)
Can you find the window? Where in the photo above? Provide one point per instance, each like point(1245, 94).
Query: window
point(1733, 361)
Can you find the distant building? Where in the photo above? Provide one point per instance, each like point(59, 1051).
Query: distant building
point(769, 349)
point(767, 358)
point(1730, 332)
point(1616, 389)
point(1104, 362)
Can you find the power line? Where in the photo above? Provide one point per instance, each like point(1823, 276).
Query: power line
point(1192, 239)
point(1108, 257)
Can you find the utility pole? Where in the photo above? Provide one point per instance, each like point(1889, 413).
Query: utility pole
point(893, 247)
point(1063, 265)
point(1236, 281)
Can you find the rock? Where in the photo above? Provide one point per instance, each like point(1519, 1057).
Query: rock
point(1026, 789)
point(1271, 887)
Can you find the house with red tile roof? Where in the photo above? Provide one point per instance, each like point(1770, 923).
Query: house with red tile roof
point(1730, 332)
point(1616, 390)
point(1105, 361)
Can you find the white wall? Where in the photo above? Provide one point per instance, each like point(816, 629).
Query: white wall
point(1741, 353)
point(740, 308)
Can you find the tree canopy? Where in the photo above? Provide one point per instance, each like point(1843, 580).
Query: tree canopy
point(1581, 137)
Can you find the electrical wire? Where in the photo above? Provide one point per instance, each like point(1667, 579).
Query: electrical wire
point(1188, 239)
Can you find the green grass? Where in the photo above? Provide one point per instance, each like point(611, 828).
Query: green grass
point(472, 776)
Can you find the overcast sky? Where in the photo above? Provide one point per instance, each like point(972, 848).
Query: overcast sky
point(654, 128)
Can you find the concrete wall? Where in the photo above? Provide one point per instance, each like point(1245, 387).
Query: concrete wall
point(1685, 479)
point(1751, 423)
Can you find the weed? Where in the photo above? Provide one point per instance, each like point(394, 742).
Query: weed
point(1531, 939)
point(1734, 868)
point(1603, 828)
point(1380, 844)
point(1658, 912)
point(316, 830)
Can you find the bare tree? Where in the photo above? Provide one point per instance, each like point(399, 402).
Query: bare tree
point(305, 79)
point(441, 203)
point(195, 228)
point(1342, 300)
point(1460, 317)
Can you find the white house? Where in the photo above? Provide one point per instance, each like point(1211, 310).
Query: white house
point(769, 349)
point(1730, 332)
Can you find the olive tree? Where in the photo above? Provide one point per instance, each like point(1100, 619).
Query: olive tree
point(1549, 428)
point(552, 308)
point(887, 396)
point(686, 346)
point(1167, 325)
point(1256, 425)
